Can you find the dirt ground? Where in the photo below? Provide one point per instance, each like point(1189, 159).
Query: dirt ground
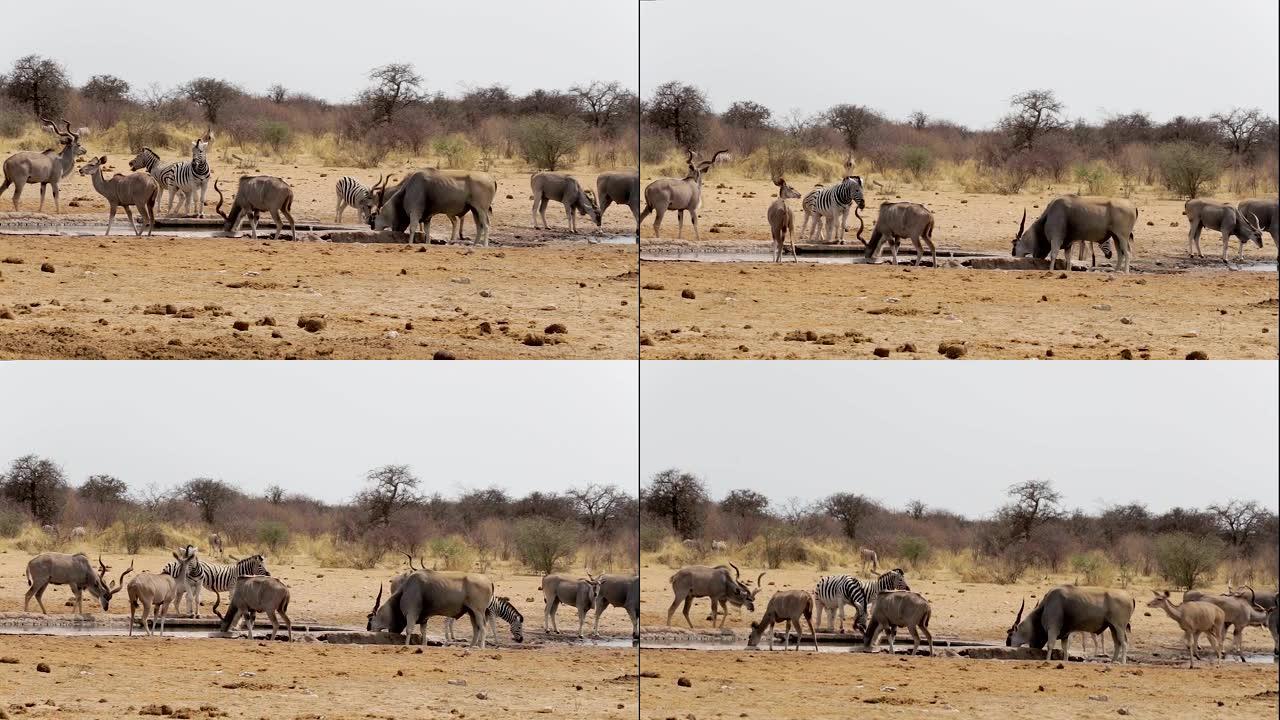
point(726, 683)
point(1169, 307)
point(378, 301)
point(308, 679)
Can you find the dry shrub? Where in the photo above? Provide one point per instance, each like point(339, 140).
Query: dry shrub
point(675, 554)
point(970, 178)
point(1093, 567)
point(356, 555)
point(785, 156)
point(1096, 178)
point(451, 553)
point(545, 545)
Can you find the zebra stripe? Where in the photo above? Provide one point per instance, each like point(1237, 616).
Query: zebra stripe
point(148, 160)
point(835, 591)
point(835, 201)
point(499, 607)
point(218, 578)
point(353, 193)
point(190, 176)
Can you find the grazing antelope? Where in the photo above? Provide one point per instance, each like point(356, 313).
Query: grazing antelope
point(577, 200)
point(791, 606)
point(867, 555)
point(782, 220)
point(1224, 218)
point(578, 593)
point(53, 568)
point(716, 583)
point(259, 593)
point(895, 609)
point(622, 188)
point(897, 220)
point(1070, 219)
point(1068, 609)
point(1195, 617)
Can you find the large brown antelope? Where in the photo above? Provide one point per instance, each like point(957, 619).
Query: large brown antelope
point(782, 220)
point(1070, 219)
point(1265, 214)
point(619, 591)
point(578, 593)
point(895, 609)
point(409, 206)
point(1225, 219)
point(157, 593)
point(424, 594)
point(46, 168)
point(253, 594)
point(791, 606)
point(53, 568)
point(254, 195)
point(1265, 599)
point(716, 583)
point(1195, 618)
point(897, 220)
point(622, 188)
point(577, 200)
point(137, 189)
point(1237, 614)
point(1069, 609)
point(681, 195)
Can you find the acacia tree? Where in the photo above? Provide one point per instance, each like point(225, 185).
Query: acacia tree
point(604, 104)
point(745, 503)
point(1241, 129)
point(852, 122)
point(37, 483)
point(747, 115)
point(1035, 114)
point(391, 488)
point(211, 94)
point(39, 82)
point(679, 498)
point(210, 496)
point(277, 94)
point(681, 110)
point(106, 89)
point(396, 86)
point(849, 509)
point(1239, 521)
point(104, 489)
point(598, 505)
point(1035, 502)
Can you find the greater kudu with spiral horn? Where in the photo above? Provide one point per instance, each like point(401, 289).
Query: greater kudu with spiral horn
point(46, 168)
point(666, 194)
point(716, 583)
point(53, 568)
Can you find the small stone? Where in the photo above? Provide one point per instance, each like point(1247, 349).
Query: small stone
point(459, 682)
point(1197, 355)
point(240, 325)
point(482, 696)
point(42, 667)
point(881, 352)
point(688, 294)
point(1098, 698)
point(485, 294)
point(391, 335)
point(486, 328)
point(1126, 354)
point(277, 334)
point(1126, 321)
point(556, 328)
point(684, 682)
point(1102, 306)
point(443, 355)
point(311, 324)
point(46, 267)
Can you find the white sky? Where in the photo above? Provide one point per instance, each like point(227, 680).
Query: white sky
point(962, 60)
point(326, 48)
point(317, 427)
point(956, 435)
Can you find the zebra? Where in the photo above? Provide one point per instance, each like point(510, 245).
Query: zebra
point(352, 193)
point(218, 578)
point(832, 203)
point(833, 592)
point(191, 176)
point(162, 171)
point(499, 607)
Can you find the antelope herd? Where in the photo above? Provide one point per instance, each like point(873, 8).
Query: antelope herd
point(415, 596)
point(886, 603)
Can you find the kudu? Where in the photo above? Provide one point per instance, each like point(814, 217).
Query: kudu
point(254, 195)
point(53, 568)
point(1195, 617)
point(1238, 614)
point(895, 609)
point(137, 189)
point(1224, 218)
point(666, 194)
point(578, 593)
point(428, 593)
point(577, 200)
point(253, 594)
point(47, 168)
point(157, 593)
point(410, 205)
point(782, 220)
point(622, 188)
point(791, 606)
point(897, 220)
point(716, 583)
point(869, 557)
point(618, 591)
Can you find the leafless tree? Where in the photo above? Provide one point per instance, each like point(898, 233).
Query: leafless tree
point(678, 497)
point(916, 509)
point(1035, 502)
point(852, 122)
point(210, 496)
point(1239, 521)
point(211, 94)
point(38, 484)
point(277, 93)
point(598, 505)
point(1035, 114)
point(391, 488)
point(396, 87)
point(39, 82)
point(850, 510)
point(1240, 128)
point(918, 119)
point(681, 110)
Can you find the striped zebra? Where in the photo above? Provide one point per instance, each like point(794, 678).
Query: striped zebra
point(833, 592)
point(215, 577)
point(833, 203)
point(499, 607)
point(351, 193)
point(806, 205)
point(190, 176)
point(148, 160)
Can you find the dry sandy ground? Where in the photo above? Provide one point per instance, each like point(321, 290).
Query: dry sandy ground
point(1169, 307)
point(738, 683)
point(379, 301)
point(311, 680)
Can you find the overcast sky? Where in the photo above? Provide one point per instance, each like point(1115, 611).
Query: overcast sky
point(326, 48)
point(317, 427)
point(957, 435)
point(962, 61)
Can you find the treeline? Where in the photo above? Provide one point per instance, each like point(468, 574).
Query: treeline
point(393, 512)
point(395, 113)
point(1187, 155)
point(1031, 529)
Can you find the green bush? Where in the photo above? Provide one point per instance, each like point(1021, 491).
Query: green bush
point(651, 537)
point(1096, 178)
point(274, 536)
point(544, 545)
point(915, 550)
point(276, 135)
point(918, 161)
point(455, 148)
point(1189, 169)
point(452, 552)
point(548, 143)
point(1094, 567)
point(1187, 560)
